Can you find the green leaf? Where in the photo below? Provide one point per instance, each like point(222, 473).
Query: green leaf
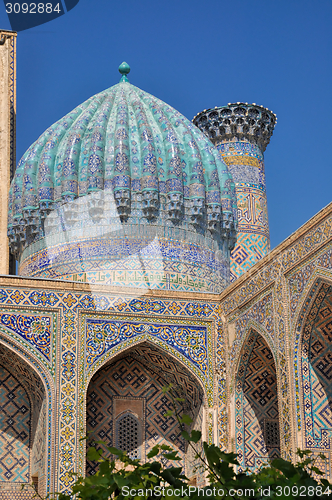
point(93, 454)
point(180, 400)
point(165, 447)
point(167, 475)
point(317, 471)
point(152, 453)
point(185, 419)
point(172, 455)
point(115, 451)
point(167, 388)
point(155, 467)
point(186, 435)
point(169, 413)
point(302, 453)
point(195, 436)
point(287, 468)
point(120, 480)
point(104, 467)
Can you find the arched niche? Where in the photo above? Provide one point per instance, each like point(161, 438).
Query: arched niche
point(23, 412)
point(130, 386)
point(314, 364)
point(256, 404)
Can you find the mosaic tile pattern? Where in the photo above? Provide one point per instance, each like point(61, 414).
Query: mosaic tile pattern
point(260, 314)
point(221, 363)
point(257, 412)
point(36, 329)
point(70, 304)
point(188, 341)
point(157, 263)
point(263, 301)
point(246, 163)
point(316, 371)
point(241, 132)
point(17, 495)
point(19, 364)
point(12, 97)
point(298, 280)
point(15, 430)
point(124, 166)
point(101, 336)
point(128, 378)
point(305, 246)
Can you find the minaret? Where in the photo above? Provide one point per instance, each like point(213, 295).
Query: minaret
point(241, 132)
point(7, 138)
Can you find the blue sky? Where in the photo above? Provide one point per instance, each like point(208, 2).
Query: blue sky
point(195, 55)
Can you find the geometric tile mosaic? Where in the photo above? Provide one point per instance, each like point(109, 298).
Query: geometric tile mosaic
point(102, 335)
point(15, 427)
point(132, 345)
point(246, 164)
point(266, 299)
point(316, 370)
point(17, 495)
point(257, 412)
point(130, 377)
point(36, 447)
point(161, 264)
point(36, 329)
point(249, 249)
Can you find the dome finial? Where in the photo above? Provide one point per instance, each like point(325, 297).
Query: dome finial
point(124, 69)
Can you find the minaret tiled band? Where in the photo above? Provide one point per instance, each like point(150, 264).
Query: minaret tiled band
point(241, 133)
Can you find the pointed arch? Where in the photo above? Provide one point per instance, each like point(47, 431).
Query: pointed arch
point(256, 404)
point(132, 382)
point(304, 303)
point(312, 368)
point(252, 326)
point(38, 386)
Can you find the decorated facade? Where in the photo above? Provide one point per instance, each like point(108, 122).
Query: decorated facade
point(123, 217)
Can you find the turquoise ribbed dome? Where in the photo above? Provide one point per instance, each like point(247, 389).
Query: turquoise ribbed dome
point(159, 167)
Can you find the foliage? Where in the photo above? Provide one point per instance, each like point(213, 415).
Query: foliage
point(281, 479)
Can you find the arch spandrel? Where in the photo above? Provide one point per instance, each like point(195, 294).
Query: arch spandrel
point(317, 279)
point(189, 341)
point(31, 359)
point(33, 330)
point(163, 345)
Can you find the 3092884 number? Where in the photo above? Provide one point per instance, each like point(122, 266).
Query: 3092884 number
point(32, 8)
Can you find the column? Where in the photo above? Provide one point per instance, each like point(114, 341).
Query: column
point(7, 134)
point(241, 132)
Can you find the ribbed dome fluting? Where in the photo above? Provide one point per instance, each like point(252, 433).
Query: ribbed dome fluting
point(123, 166)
